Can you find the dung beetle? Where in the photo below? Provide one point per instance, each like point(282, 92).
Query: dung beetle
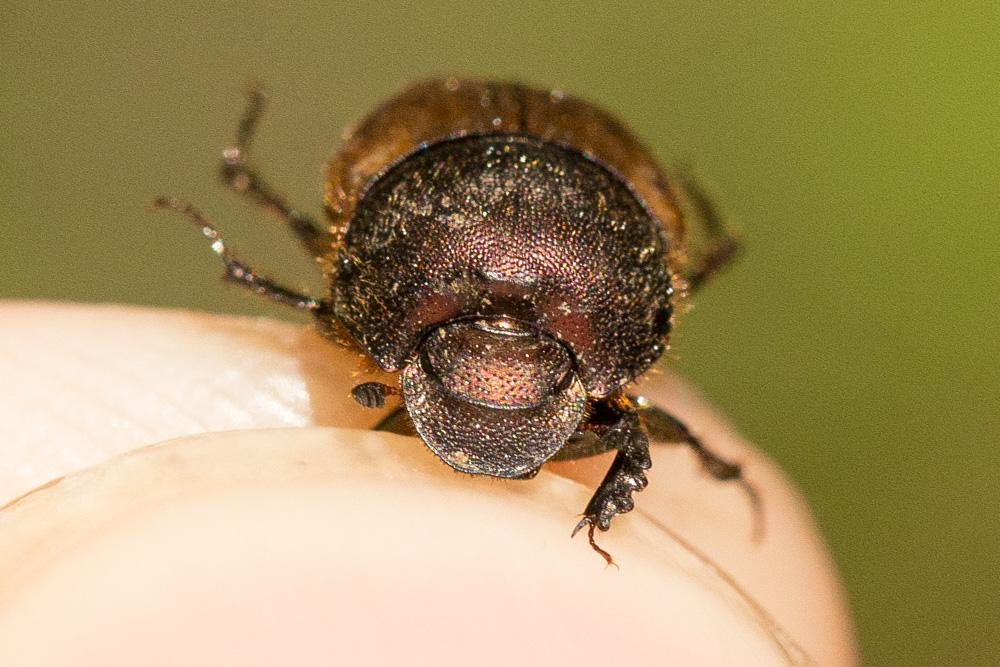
point(517, 257)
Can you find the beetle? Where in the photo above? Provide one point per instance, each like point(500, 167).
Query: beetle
point(517, 257)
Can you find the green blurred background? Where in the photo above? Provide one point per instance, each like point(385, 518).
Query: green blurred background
point(857, 148)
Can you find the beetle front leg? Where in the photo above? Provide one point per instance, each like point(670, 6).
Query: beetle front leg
point(626, 474)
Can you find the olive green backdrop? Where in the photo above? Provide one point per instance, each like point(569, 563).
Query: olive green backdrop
point(857, 148)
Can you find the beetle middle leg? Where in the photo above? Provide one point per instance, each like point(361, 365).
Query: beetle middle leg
point(235, 270)
point(398, 421)
point(237, 174)
point(723, 245)
point(661, 425)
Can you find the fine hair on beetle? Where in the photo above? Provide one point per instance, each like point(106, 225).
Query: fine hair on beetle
point(516, 257)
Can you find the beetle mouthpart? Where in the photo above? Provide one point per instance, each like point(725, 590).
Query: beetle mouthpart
point(492, 400)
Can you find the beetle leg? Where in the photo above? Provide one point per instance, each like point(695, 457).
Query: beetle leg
point(723, 245)
point(661, 425)
point(237, 271)
point(581, 445)
point(626, 474)
point(238, 175)
point(398, 421)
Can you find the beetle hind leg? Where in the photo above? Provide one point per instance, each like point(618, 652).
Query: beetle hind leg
point(238, 175)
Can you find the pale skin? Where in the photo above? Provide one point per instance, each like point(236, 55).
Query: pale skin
point(334, 545)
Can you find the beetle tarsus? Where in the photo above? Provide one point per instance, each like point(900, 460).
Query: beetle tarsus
point(589, 522)
point(371, 394)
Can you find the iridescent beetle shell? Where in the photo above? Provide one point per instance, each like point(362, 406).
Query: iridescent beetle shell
point(512, 253)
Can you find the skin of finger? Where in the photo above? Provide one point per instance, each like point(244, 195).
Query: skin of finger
point(85, 382)
point(96, 381)
point(248, 547)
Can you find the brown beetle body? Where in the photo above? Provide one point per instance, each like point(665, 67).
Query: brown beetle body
point(491, 202)
point(515, 255)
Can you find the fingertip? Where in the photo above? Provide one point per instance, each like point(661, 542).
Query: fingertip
point(291, 544)
point(96, 381)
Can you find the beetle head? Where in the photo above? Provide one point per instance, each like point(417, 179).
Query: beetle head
point(493, 396)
